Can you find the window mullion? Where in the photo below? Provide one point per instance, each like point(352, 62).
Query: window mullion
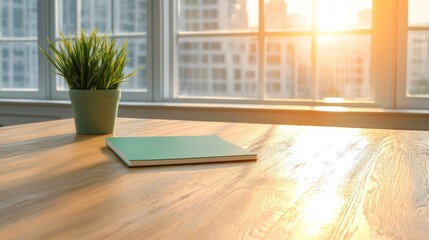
point(78, 14)
point(46, 30)
point(174, 66)
point(313, 51)
point(405, 43)
point(218, 34)
point(112, 21)
point(156, 56)
point(261, 40)
point(49, 32)
point(402, 100)
point(384, 53)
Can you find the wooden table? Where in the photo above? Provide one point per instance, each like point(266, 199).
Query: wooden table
point(309, 183)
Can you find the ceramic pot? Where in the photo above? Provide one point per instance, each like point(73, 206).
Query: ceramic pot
point(95, 111)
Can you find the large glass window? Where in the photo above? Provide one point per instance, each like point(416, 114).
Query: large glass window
point(18, 46)
point(121, 19)
point(213, 65)
point(275, 49)
point(418, 49)
point(308, 52)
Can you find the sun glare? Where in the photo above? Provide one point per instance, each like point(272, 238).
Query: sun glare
point(335, 15)
point(331, 15)
point(328, 19)
point(332, 167)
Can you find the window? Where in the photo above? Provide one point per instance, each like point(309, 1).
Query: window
point(26, 25)
point(309, 52)
point(220, 58)
point(121, 19)
point(413, 55)
point(18, 49)
point(301, 50)
point(418, 50)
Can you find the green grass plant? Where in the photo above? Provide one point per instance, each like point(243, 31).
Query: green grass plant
point(89, 62)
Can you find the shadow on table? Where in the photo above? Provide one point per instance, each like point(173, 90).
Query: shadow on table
point(28, 198)
point(41, 144)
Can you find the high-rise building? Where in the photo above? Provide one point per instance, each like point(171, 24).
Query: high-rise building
point(344, 67)
point(216, 66)
point(288, 60)
point(418, 59)
point(229, 66)
point(288, 67)
point(130, 17)
point(344, 63)
point(96, 14)
point(67, 17)
point(19, 68)
point(19, 59)
point(276, 17)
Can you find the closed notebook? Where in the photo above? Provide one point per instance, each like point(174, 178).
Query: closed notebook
point(165, 150)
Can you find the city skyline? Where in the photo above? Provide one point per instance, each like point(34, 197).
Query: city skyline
point(130, 17)
point(222, 66)
point(19, 67)
point(346, 13)
point(345, 68)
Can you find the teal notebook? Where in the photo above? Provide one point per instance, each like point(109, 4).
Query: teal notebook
point(147, 151)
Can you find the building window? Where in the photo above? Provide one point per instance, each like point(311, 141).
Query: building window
point(18, 46)
point(418, 50)
point(218, 58)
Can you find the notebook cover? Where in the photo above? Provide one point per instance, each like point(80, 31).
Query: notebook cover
point(163, 150)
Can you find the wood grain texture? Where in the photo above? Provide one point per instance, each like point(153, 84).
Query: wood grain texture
point(308, 183)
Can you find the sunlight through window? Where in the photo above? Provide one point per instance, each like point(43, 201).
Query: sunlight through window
point(335, 15)
point(220, 55)
point(330, 169)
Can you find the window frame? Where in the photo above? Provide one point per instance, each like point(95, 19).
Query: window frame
point(40, 93)
point(381, 57)
point(125, 95)
point(404, 101)
point(47, 28)
point(389, 59)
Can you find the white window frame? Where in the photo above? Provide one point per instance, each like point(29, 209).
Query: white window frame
point(389, 41)
point(382, 58)
point(40, 93)
point(126, 95)
point(404, 101)
point(46, 17)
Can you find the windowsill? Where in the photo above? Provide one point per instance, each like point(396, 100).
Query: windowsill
point(229, 106)
point(253, 113)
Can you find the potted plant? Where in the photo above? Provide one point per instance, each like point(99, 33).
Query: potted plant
point(93, 68)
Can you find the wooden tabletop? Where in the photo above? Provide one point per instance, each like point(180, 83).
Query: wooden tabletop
point(308, 183)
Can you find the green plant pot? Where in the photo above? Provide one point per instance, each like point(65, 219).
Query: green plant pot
point(95, 111)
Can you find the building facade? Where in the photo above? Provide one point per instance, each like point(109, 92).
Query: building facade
point(418, 59)
point(19, 69)
point(217, 66)
point(229, 66)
